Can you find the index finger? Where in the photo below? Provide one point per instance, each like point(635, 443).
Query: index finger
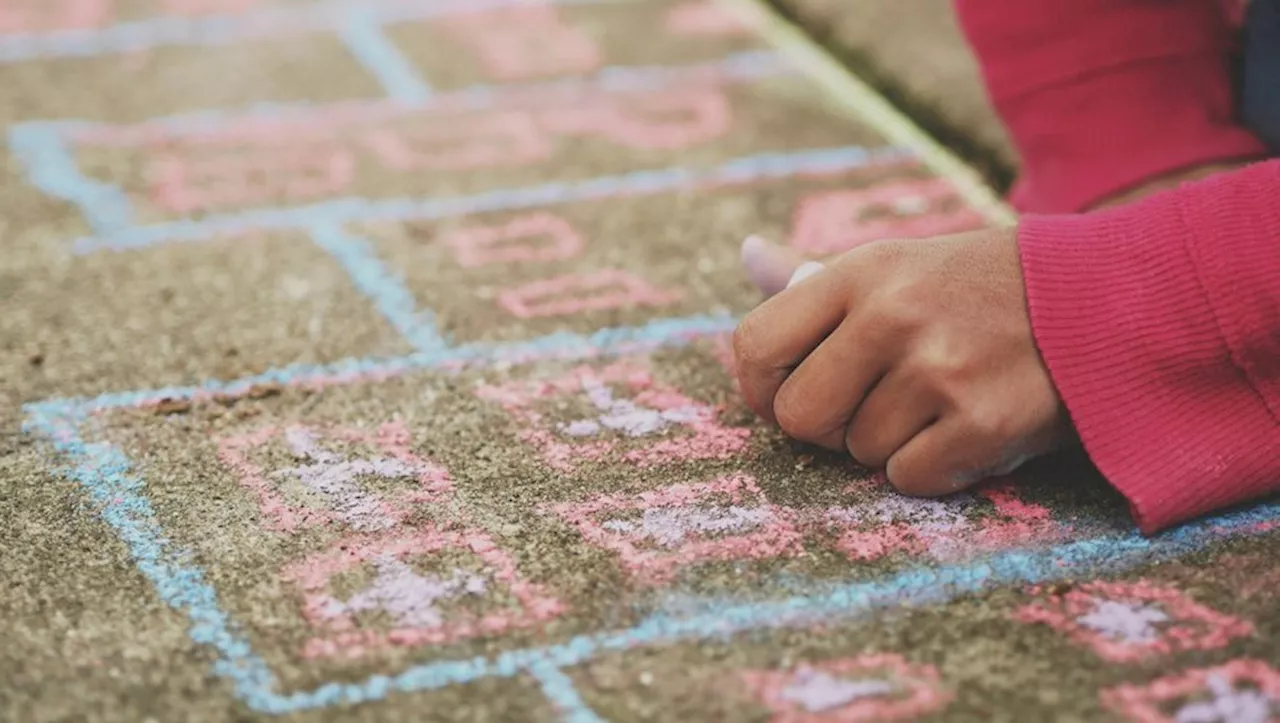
point(774, 338)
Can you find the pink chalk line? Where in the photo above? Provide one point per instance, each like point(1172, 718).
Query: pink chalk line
point(516, 241)
point(217, 172)
point(705, 18)
point(524, 42)
point(334, 479)
point(829, 222)
point(873, 687)
point(653, 408)
point(413, 600)
point(683, 525)
point(699, 96)
point(944, 529)
point(1240, 691)
point(581, 293)
point(1127, 622)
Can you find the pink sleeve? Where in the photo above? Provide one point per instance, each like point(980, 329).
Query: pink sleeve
point(1101, 95)
point(1160, 324)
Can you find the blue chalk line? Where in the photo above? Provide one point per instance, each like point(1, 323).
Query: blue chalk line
point(379, 284)
point(368, 43)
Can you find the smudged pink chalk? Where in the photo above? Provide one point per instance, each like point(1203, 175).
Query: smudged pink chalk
point(830, 222)
point(873, 687)
point(1240, 691)
point(532, 237)
point(34, 16)
point(183, 184)
point(209, 7)
point(333, 122)
point(660, 121)
point(506, 139)
point(342, 636)
point(686, 516)
point(654, 408)
point(334, 478)
point(578, 294)
point(531, 41)
point(705, 18)
point(941, 528)
point(411, 599)
point(1127, 622)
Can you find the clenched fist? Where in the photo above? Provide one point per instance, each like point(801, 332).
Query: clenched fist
point(915, 356)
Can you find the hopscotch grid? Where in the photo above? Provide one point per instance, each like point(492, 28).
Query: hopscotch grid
point(45, 149)
point(106, 473)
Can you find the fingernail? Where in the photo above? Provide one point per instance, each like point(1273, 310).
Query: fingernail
point(805, 270)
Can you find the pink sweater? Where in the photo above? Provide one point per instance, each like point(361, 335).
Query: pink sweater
point(1159, 321)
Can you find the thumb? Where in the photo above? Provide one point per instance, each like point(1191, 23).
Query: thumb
point(773, 267)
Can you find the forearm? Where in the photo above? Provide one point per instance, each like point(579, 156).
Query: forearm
point(1160, 325)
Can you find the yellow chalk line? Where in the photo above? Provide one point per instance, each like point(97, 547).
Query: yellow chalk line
point(861, 100)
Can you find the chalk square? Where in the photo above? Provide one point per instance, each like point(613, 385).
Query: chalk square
point(528, 42)
point(232, 307)
point(1243, 689)
point(324, 486)
point(994, 517)
point(871, 687)
point(620, 413)
point(415, 602)
point(657, 533)
point(1129, 622)
point(830, 222)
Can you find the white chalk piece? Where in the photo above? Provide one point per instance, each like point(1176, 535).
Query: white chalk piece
point(804, 271)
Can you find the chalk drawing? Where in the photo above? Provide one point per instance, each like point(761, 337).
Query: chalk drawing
point(220, 178)
point(194, 8)
point(62, 33)
point(705, 18)
point(532, 237)
point(872, 687)
point(508, 139)
point(1241, 691)
point(648, 409)
point(416, 603)
point(331, 494)
point(941, 529)
point(119, 493)
point(529, 41)
point(265, 121)
point(657, 533)
point(1125, 622)
point(829, 222)
point(674, 120)
point(279, 162)
point(29, 16)
point(582, 293)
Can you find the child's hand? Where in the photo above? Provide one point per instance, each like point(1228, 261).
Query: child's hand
point(916, 356)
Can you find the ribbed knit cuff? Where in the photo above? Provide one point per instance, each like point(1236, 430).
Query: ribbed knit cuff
point(1129, 335)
